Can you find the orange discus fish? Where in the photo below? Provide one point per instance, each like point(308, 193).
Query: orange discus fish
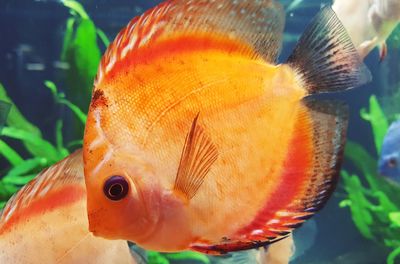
point(196, 139)
point(46, 222)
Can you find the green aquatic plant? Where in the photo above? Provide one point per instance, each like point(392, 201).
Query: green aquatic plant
point(81, 52)
point(154, 257)
point(41, 152)
point(374, 202)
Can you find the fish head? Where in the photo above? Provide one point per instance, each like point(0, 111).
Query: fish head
point(389, 166)
point(389, 161)
point(119, 182)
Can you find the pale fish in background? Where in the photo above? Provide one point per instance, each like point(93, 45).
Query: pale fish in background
point(369, 22)
point(46, 222)
point(280, 252)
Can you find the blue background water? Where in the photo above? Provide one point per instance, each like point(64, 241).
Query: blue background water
point(31, 33)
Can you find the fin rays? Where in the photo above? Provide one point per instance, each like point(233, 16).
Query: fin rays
point(325, 57)
point(198, 154)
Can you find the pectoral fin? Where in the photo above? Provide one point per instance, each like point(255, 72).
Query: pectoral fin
point(198, 155)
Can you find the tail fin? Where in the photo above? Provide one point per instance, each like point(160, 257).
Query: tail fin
point(326, 58)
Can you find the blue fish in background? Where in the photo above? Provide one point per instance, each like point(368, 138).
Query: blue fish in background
point(389, 162)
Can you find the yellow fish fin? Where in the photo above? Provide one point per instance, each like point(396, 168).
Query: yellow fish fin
point(325, 57)
point(198, 155)
point(257, 23)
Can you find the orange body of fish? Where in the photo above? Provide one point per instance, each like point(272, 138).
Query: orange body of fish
point(196, 138)
point(46, 222)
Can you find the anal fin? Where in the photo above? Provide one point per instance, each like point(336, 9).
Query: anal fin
point(198, 155)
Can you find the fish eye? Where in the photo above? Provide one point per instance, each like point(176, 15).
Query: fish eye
point(116, 188)
point(392, 162)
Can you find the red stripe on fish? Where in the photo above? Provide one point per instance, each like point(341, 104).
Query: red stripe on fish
point(292, 183)
point(275, 220)
point(63, 197)
point(56, 186)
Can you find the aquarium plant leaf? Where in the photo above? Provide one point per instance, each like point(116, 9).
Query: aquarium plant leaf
point(53, 89)
point(68, 37)
point(75, 109)
point(156, 258)
point(4, 111)
point(345, 203)
point(24, 172)
point(362, 160)
point(82, 54)
point(6, 191)
point(188, 256)
point(362, 218)
point(103, 37)
point(19, 180)
point(15, 118)
point(74, 144)
point(17, 122)
point(76, 7)
point(395, 218)
point(393, 255)
point(41, 147)
point(378, 121)
point(10, 154)
point(87, 52)
point(59, 138)
point(60, 98)
point(83, 57)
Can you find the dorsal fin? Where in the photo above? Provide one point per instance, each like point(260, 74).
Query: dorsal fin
point(258, 23)
point(198, 154)
point(67, 171)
